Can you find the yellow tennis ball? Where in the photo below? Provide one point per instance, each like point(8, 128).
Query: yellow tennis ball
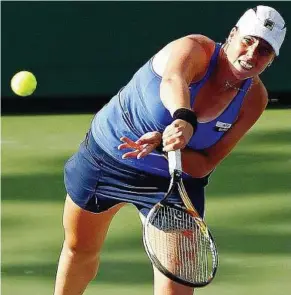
point(23, 83)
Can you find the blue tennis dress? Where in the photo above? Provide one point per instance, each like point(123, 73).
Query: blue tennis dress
point(138, 109)
point(97, 178)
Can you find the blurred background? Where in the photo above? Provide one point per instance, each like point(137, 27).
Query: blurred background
point(82, 53)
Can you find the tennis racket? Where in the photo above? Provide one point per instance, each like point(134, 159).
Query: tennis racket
point(176, 239)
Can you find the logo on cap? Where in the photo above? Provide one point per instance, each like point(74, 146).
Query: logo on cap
point(269, 24)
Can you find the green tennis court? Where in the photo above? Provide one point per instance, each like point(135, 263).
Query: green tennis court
point(248, 211)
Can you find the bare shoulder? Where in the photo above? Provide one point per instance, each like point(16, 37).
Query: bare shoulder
point(200, 45)
point(256, 99)
point(207, 44)
point(192, 51)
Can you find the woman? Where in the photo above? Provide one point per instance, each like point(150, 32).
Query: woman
point(193, 95)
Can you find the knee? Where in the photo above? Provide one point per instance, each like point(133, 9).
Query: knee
point(85, 259)
point(81, 252)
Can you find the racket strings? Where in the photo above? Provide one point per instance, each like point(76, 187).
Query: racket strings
point(177, 242)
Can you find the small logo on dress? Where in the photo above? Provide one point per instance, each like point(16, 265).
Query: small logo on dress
point(221, 126)
point(269, 24)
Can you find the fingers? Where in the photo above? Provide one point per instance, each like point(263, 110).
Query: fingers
point(146, 150)
point(171, 132)
point(173, 147)
point(173, 139)
point(177, 135)
point(133, 154)
point(123, 146)
point(174, 142)
point(141, 153)
point(140, 150)
point(150, 138)
point(177, 126)
point(128, 143)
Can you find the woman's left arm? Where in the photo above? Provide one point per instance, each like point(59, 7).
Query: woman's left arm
point(200, 163)
point(203, 163)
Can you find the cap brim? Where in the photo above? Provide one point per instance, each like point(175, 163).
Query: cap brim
point(260, 32)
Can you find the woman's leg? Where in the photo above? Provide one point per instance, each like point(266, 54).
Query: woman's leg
point(165, 286)
point(84, 236)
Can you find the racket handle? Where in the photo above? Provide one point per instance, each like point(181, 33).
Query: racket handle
point(175, 161)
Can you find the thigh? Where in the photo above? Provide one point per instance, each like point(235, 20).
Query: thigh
point(84, 230)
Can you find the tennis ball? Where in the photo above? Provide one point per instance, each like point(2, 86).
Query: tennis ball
point(23, 83)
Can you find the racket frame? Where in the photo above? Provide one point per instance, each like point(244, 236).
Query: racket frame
point(176, 181)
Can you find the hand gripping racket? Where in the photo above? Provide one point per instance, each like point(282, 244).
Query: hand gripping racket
point(176, 238)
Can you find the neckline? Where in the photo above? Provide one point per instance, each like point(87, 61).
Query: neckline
point(211, 67)
point(239, 93)
point(199, 84)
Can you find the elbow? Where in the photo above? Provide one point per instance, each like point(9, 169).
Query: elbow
point(173, 90)
point(197, 167)
point(206, 167)
point(172, 80)
point(203, 173)
point(200, 172)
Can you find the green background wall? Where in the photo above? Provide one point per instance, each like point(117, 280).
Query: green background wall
point(93, 48)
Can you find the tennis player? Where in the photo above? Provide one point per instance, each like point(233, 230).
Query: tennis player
point(195, 95)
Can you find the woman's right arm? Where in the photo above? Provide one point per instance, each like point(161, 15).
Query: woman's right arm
point(179, 63)
point(186, 61)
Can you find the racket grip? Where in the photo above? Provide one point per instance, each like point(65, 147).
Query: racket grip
point(175, 161)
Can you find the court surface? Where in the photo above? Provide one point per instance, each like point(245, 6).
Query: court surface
point(248, 211)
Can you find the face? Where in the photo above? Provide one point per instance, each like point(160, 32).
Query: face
point(248, 55)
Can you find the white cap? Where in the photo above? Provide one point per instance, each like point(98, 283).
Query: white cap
point(264, 22)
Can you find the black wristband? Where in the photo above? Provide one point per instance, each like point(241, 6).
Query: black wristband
point(186, 115)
